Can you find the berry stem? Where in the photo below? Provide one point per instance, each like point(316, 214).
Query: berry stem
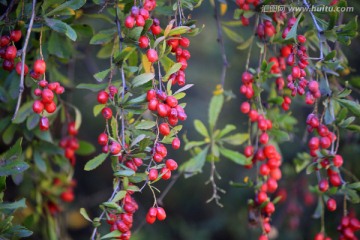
point(23, 58)
point(220, 40)
point(250, 48)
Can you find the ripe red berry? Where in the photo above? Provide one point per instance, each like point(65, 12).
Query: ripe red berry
point(8, 65)
point(295, 72)
point(164, 129)
point(338, 160)
point(249, 151)
point(325, 142)
point(269, 208)
point(245, 107)
point(262, 197)
point(115, 148)
point(171, 101)
point(153, 174)
point(102, 97)
point(39, 66)
point(38, 106)
point(152, 55)
point(18, 68)
point(314, 143)
point(129, 22)
point(44, 124)
point(264, 169)
point(166, 173)
point(162, 110)
point(50, 107)
point(15, 35)
point(10, 53)
point(331, 204)
point(161, 214)
point(106, 112)
point(264, 138)
point(143, 42)
point(67, 196)
point(271, 185)
point(171, 164)
point(72, 131)
point(323, 185)
point(4, 40)
point(47, 96)
point(175, 143)
point(301, 38)
point(184, 42)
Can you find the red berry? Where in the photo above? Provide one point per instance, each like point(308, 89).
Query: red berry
point(323, 185)
point(314, 143)
point(164, 129)
point(152, 55)
point(175, 143)
point(166, 173)
point(44, 124)
point(150, 219)
point(106, 112)
point(245, 107)
point(121, 226)
point(295, 72)
point(15, 35)
point(153, 174)
point(248, 151)
point(262, 197)
point(115, 148)
point(143, 42)
point(269, 208)
point(162, 110)
point(171, 101)
point(10, 53)
point(47, 96)
point(171, 164)
point(271, 185)
point(155, 29)
point(301, 38)
point(338, 160)
point(325, 142)
point(264, 170)
point(50, 107)
point(331, 204)
point(38, 106)
point(18, 68)
point(140, 21)
point(129, 22)
point(4, 41)
point(102, 97)
point(161, 214)
point(67, 196)
point(184, 42)
point(39, 66)
point(264, 138)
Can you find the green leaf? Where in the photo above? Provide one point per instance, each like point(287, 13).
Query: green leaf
point(227, 129)
point(137, 140)
point(119, 195)
point(14, 205)
point(293, 31)
point(85, 148)
point(354, 107)
point(100, 76)
point(330, 55)
point(24, 111)
point(216, 104)
point(246, 44)
point(61, 27)
point(74, 5)
point(14, 167)
point(301, 161)
point(195, 164)
point(97, 109)
point(95, 162)
point(352, 127)
point(234, 156)
point(32, 121)
point(190, 145)
point(84, 214)
point(200, 128)
point(173, 69)
point(355, 185)
point(187, 86)
point(233, 35)
point(113, 234)
point(114, 127)
point(39, 161)
point(124, 173)
point(179, 30)
point(236, 139)
point(145, 124)
point(142, 79)
point(77, 118)
point(103, 36)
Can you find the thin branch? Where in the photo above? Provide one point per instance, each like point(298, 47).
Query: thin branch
point(116, 189)
point(221, 43)
point(319, 30)
point(8, 10)
point(23, 57)
point(215, 196)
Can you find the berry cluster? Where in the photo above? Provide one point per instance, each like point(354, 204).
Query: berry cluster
point(138, 16)
point(265, 30)
point(349, 225)
point(246, 6)
point(178, 45)
point(9, 52)
point(247, 88)
point(46, 101)
point(64, 191)
point(70, 143)
point(155, 213)
point(123, 221)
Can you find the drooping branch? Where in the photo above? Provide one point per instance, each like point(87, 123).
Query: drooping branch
point(23, 58)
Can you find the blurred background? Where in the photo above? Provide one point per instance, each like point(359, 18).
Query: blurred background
point(188, 216)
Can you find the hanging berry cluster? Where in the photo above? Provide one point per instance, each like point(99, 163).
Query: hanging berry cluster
point(70, 143)
point(9, 52)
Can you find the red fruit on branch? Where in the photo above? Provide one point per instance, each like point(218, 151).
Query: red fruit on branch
point(39, 66)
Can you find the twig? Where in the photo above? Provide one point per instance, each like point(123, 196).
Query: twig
point(319, 30)
point(6, 13)
point(215, 196)
point(23, 57)
point(116, 189)
point(221, 43)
